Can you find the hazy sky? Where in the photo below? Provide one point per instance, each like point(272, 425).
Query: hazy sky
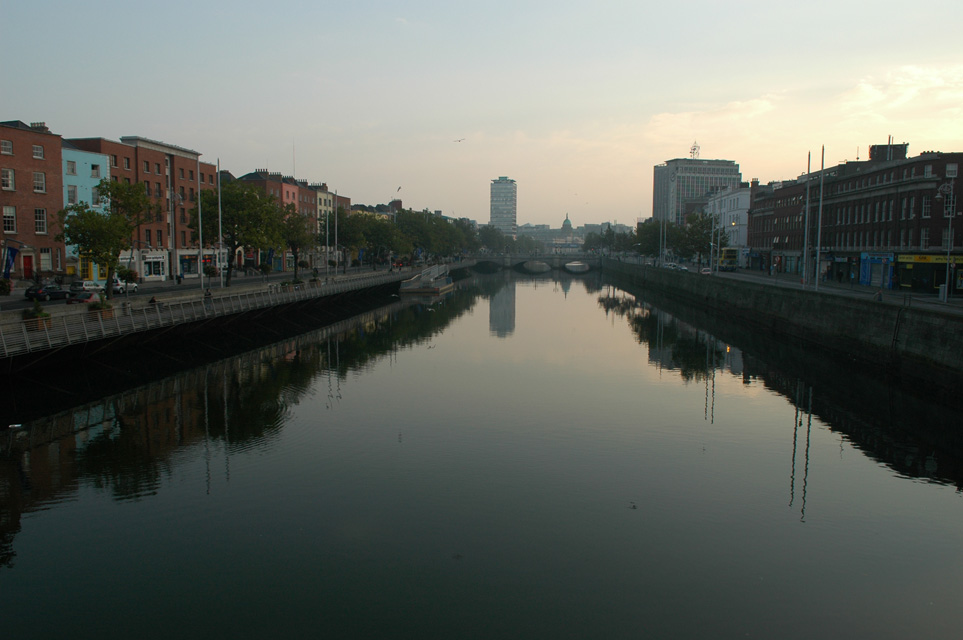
point(576, 101)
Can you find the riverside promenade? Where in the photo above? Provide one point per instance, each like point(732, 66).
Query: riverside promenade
point(69, 325)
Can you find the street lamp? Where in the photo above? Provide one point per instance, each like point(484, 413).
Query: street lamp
point(945, 193)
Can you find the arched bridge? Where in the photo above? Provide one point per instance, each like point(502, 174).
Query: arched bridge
point(531, 262)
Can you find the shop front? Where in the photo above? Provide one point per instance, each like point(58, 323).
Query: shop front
point(876, 269)
point(926, 272)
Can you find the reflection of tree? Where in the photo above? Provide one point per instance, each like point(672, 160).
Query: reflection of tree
point(694, 353)
point(892, 423)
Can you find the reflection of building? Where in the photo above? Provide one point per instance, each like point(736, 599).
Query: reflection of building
point(501, 310)
point(683, 185)
point(504, 205)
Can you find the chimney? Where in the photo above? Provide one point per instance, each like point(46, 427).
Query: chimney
point(39, 126)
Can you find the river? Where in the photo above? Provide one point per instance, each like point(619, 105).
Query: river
point(527, 457)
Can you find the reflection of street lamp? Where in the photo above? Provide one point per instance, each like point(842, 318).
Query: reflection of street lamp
point(945, 193)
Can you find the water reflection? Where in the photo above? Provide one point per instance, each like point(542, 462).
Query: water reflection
point(128, 445)
point(915, 436)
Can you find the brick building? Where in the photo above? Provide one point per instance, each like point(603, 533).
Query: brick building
point(31, 195)
point(164, 247)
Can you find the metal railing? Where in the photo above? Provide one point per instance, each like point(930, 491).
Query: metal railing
point(20, 337)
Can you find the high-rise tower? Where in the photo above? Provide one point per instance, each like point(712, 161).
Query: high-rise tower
point(504, 203)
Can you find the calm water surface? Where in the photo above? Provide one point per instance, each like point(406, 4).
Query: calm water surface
point(527, 458)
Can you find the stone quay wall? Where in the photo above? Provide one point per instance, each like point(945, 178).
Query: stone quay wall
point(902, 341)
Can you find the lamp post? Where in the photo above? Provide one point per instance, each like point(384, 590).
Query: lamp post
point(945, 193)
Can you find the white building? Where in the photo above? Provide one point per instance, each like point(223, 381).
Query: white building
point(730, 210)
point(683, 185)
point(504, 206)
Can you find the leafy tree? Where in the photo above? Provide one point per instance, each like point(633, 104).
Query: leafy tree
point(298, 231)
point(648, 236)
point(103, 236)
point(492, 238)
point(249, 218)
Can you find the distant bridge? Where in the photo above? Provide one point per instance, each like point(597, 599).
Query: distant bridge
point(557, 261)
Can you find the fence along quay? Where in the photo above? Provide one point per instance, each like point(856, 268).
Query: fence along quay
point(19, 337)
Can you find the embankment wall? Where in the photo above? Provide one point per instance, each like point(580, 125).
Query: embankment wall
point(902, 341)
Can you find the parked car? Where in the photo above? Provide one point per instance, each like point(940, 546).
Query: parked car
point(46, 292)
point(706, 271)
point(85, 285)
point(123, 287)
point(83, 297)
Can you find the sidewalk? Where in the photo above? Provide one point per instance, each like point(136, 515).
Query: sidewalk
point(901, 297)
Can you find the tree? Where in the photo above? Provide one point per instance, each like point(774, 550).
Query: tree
point(298, 230)
point(248, 218)
point(648, 236)
point(102, 236)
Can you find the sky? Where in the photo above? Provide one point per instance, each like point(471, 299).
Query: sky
point(576, 101)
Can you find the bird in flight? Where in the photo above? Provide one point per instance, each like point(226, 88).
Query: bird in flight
point(459, 140)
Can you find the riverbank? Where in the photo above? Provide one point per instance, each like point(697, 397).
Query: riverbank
point(901, 340)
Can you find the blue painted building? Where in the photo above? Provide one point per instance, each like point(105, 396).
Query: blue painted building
point(83, 171)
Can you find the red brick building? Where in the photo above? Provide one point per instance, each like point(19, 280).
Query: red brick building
point(164, 247)
point(31, 195)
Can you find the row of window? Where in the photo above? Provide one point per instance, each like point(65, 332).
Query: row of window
point(72, 169)
point(8, 181)
point(10, 220)
point(875, 240)
point(6, 148)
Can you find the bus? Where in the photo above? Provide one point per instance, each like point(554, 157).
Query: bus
point(728, 258)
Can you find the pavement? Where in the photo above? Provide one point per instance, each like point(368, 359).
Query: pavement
point(901, 297)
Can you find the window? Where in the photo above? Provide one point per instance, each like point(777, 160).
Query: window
point(147, 186)
point(38, 152)
point(190, 175)
point(181, 174)
point(6, 180)
point(191, 194)
point(95, 171)
point(147, 237)
point(40, 220)
point(9, 219)
point(71, 194)
point(924, 238)
point(912, 208)
point(94, 196)
point(46, 261)
point(127, 163)
point(210, 179)
point(157, 168)
point(926, 207)
point(202, 177)
point(183, 216)
point(113, 160)
point(947, 239)
point(146, 167)
point(160, 238)
point(183, 238)
point(6, 147)
point(71, 168)
point(153, 268)
point(157, 189)
point(39, 182)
